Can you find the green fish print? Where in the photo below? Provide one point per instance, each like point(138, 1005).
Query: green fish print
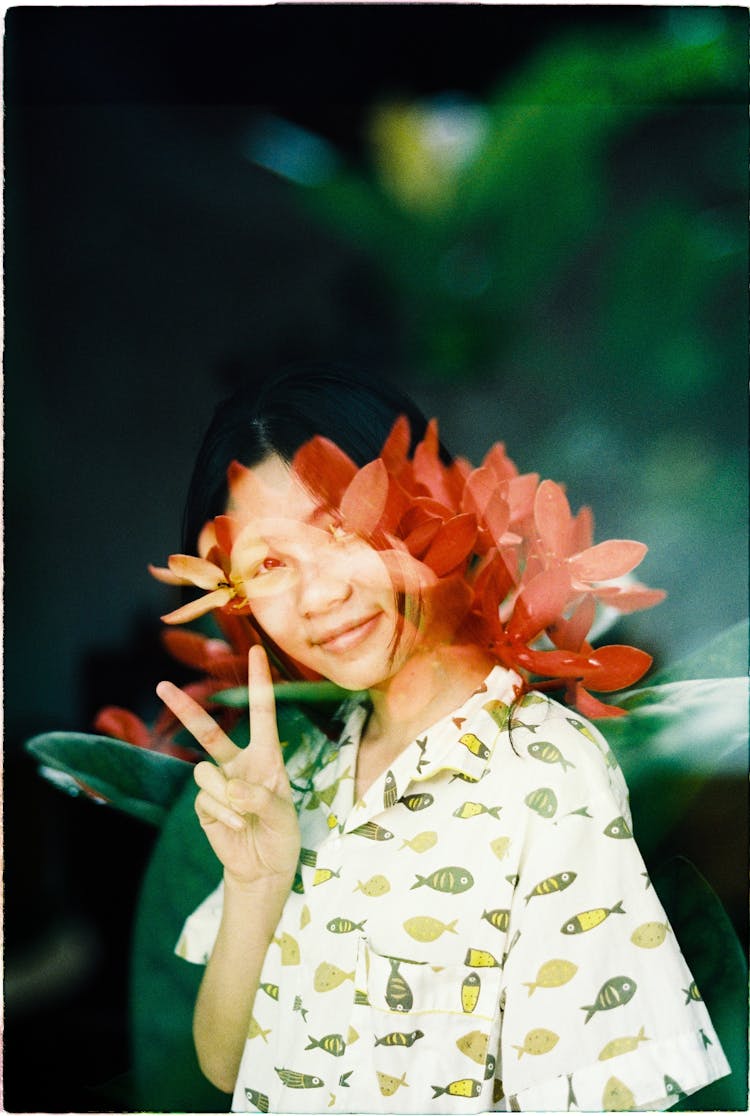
point(295, 1080)
point(587, 920)
point(465, 1087)
point(499, 711)
point(372, 832)
point(399, 1038)
point(332, 1044)
point(298, 884)
point(618, 828)
point(533, 699)
point(390, 791)
point(271, 990)
point(547, 752)
point(423, 761)
point(581, 812)
point(706, 1040)
point(398, 994)
point(465, 778)
point(692, 992)
point(613, 993)
point(583, 729)
point(499, 918)
point(257, 1100)
point(470, 990)
point(452, 880)
point(298, 1006)
point(344, 925)
point(475, 745)
point(489, 1069)
point(542, 801)
point(672, 1089)
point(416, 802)
point(361, 998)
point(474, 809)
point(308, 857)
point(559, 882)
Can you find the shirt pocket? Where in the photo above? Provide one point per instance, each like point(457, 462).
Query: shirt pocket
point(429, 1032)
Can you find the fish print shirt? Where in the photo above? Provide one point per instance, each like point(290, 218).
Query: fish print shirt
point(477, 933)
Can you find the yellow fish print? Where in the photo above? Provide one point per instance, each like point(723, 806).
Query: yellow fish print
point(351, 1036)
point(499, 918)
point(543, 801)
point(327, 977)
point(452, 880)
point(474, 809)
point(617, 1097)
point(558, 882)
point(375, 886)
point(422, 928)
point(474, 1046)
point(295, 1080)
point(332, 821)
point(416, 802)
point(547, 752)
point(322, 875)
point(499, 712)
point(649, 935)
point(500, 847)
point(475, 745)
point(304, 917)
point(587, 920)
point(623, 1045)
point(255, 1030)
point(465, 1087)
point(613, 993)
point(332, 1044)
point(552, 974)
point(399, 1038)
point(538, 1041)
point(373, 832)
point(422, 842)
point(257, 1100)
point(398, 994)
point(289, 949)
point(480, 959)
point(388, 1085)
point(344, 925)
point(470, 990)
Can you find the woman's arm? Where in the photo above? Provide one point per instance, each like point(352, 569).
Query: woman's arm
point(245, 808)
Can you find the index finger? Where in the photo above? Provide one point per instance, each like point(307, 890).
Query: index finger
point(264, 731)
point(198, 722)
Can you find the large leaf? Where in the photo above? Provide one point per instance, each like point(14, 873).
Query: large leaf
point(312, 693)
point(142, 783)
point(725, 656)
point(717, 961)
point(676, 738)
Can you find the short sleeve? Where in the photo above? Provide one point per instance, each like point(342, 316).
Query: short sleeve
point(600, 1011)
point(196, 940)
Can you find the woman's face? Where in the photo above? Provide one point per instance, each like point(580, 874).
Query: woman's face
point(336, 612)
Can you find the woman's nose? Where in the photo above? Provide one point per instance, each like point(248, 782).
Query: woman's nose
point(321, 589)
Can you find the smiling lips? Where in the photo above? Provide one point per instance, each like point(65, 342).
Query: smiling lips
point(348, 635)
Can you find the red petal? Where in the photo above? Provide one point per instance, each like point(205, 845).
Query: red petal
point(396, 445)
point(497, 460)
point(120, 723)
point(630, 599)
point(324, 469)
point(552, 518)
point(418, 540)
point(199, 607)
point(540, 603)
point(616, 666)
point(452, 545)
point(213, 656)
point(582, 531)
point(364, 501)
point(590, 707)
point(571, 634)
point(613, 558)
point(161, 573)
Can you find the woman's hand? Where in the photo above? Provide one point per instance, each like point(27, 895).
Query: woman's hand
point(245, 802)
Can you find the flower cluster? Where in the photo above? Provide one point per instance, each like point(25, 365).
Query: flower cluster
point(531, 573)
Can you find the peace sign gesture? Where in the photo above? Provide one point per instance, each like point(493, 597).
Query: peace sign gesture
point(245, 802)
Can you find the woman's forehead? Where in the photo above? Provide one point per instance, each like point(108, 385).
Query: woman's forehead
point(271, 491)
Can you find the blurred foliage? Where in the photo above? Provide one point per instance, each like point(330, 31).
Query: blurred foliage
point(481, 215)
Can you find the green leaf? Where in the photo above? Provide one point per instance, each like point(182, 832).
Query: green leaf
point(725, 656)
point(716, 959)
point(311, 693)
point(142, 783)
point(675, 739)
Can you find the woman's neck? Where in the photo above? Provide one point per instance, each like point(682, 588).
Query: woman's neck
point(429, 686)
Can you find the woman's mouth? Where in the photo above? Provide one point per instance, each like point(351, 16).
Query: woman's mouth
point(347, 636)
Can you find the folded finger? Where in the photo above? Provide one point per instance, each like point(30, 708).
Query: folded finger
point(210, 810)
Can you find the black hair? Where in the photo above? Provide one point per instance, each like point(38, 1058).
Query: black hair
point(354, 410)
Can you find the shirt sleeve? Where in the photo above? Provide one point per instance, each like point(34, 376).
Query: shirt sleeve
point(196, 940)
point(600, 1011)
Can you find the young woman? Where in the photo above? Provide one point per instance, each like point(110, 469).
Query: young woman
point(445, 911)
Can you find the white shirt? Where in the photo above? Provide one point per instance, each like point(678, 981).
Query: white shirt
point(477, 933)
